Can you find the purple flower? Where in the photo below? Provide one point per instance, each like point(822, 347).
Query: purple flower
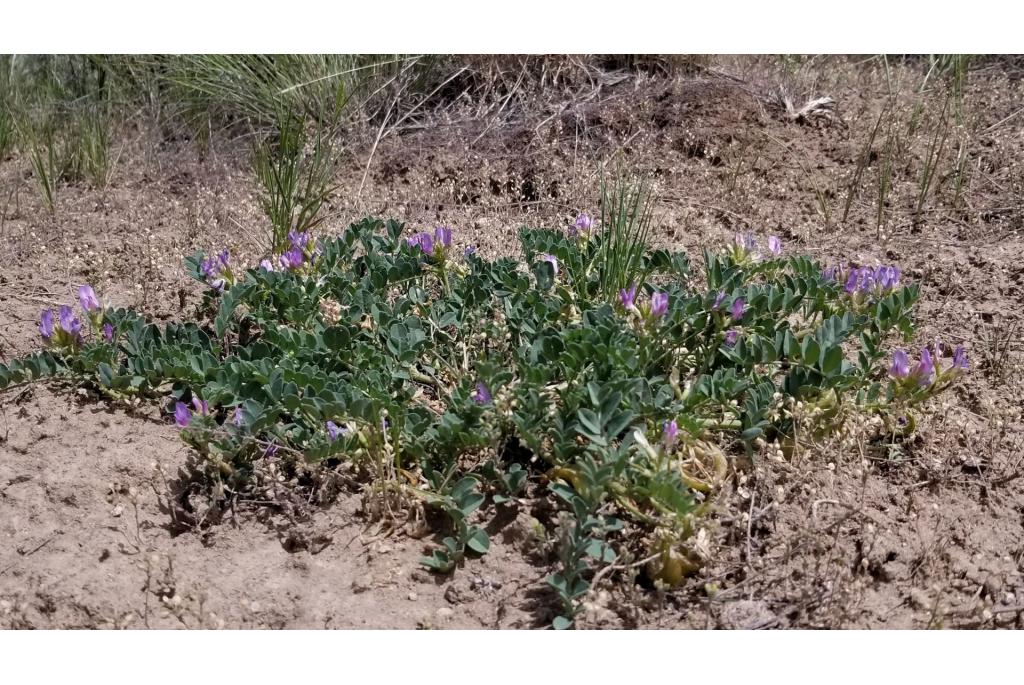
point(900, 367)
point(774, 245)
point(202, 407)
point(292, 259)
point(887, 277)
point(334, 431)
point(832, 273)
point(298, 240)
point(443, 236)
point(583, 224)
point(470, 250)
point(69, 323)
point(425, 241)
point(46, 324)
point(552, 260)
point(87, 298)
point(266, 265)
point(182, 415)
point(481, 395)
point(925, 368)
point(718, 299)
point(216, 270)
point(270, 450)
point(851, 281)
point(731, 336)
point(659, 304)
point(628, 296)
point(669, 434)
point(108, 332)
point(745, 242)
point(239, 417)
point(960, 358)
point(209, 268)
point(738, 308)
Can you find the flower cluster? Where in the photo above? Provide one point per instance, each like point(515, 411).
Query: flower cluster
point(481, 395)
point(656, 309)
point(183, 415)
point(583, 227)
point(744, 247)
point(217, 271)
point(435, 245)
point(867, 281)
point(737, 310)
point(303, 251)
point(929, 370)
point(66, 331)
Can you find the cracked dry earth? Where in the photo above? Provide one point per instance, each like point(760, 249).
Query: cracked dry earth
point(930, 535)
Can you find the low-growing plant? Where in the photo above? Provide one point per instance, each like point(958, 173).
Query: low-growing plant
point(452, 381)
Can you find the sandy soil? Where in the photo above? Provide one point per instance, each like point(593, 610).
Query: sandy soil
point(932, 536)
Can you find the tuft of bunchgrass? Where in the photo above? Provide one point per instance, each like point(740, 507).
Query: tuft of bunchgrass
point(258, 86)
point(6, 131)
point(626, 212)
point(86, 145)
point(294, 173)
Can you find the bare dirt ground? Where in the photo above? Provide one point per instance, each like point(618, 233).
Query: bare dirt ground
point(928, 536)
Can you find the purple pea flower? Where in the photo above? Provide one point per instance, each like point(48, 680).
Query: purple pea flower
point(470, 250)
point(669, 434)
point(925, 368)
point(731, 336)
point(628, 296)
point(334, 431)
point(108, 332)
point(745, 242)
point(292, 259)
point(583, 224)
point(552, 260)
point(481, 395)
point(69, 323)
point(298, 240)
point(182, 415)
point(426, 242)
point(266, 265)
point(887, 277)
point(443, 236)
point(852, 282)
point(718, 299)
point(832, 273)
point(46, 324)
point(87, 298)
point(739, 307)
point(238, 418)
point(202, 407)
point(900, 367)
point(659, 304)
point(774, 245)
point(223, 258)
point(960, 358)
point(209, 268)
